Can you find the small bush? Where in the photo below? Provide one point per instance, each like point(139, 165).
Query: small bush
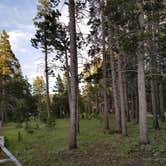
point(6, 141)
point(29, 128)
point(43, 116)
point(20, 137)
point(19, 125)
point(51, 122)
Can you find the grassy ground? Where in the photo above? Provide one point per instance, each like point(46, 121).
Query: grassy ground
point(49, 147)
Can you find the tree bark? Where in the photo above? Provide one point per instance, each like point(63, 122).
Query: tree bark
point(115, 93)
point(124, 61)
point(105, 88)
point(143, 137)
point(122, 99)
point(154, 86)
point(154, 103)
point(74, 79)
point(47, 79)
point(161, 95)
point(142, 98)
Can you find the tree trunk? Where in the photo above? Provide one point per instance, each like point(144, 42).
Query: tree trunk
point(122, 99)
point(97, 104)
point(67, 75)
point(74, 79)
point(154, 103)
point(133, 106)
point(47, 79)
point(154, 86)
point(115, 93)
point(125, 87)
point(142, 98)
point(78, 113)
point(143, 138)
point(105, 88)
point(161, 95)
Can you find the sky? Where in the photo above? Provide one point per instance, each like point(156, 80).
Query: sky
point(16, 18)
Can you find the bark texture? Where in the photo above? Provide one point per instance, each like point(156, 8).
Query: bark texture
point(73, 80)
point(122, 99)
point(143, 137)
point(47, 78)
point(106, 114)
point(115, 93)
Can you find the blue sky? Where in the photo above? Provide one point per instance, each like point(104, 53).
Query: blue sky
point(16, 18)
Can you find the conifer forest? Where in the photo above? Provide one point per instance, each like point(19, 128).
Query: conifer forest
point(97, 96)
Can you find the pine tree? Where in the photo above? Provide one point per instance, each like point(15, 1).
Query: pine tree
point(38, 86)
point(9, 69)
point(45, 37)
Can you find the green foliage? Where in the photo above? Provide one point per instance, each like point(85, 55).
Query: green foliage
point(43, 116)
point(39, 86)
point(29, 128)
point(47, 27)
point(6, 141)
point(60, 105)
point(88, 116)
point(19, 125)
point(14, 89)
point(20, 137)
point(24, 108)
point(51, 122)
point(9, 64)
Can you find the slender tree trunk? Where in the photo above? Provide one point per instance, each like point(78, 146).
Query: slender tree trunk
point(47, 79)
point(1, 119)
point(142, 98)
point(125, 88)
point(132, 106)
point(117, 90)
point(74, 79)
point(97, 103)
point(3, 103)
point(1, 116)
point(143, 137)
point(161, 95)
point(115, 93)
point(47, 85)
point(154, 86)
point(137, 105)
point(137, 102)
point(67, 75)
point(154, 103)
point(78, 113)
point(106, 114)
point(122, 99)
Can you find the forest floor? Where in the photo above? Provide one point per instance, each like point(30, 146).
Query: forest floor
point(45, 146)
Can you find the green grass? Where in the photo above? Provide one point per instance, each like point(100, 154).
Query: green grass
point(49, 146)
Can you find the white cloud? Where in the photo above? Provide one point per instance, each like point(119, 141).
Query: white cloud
point(20, 39)
point(28, 56)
